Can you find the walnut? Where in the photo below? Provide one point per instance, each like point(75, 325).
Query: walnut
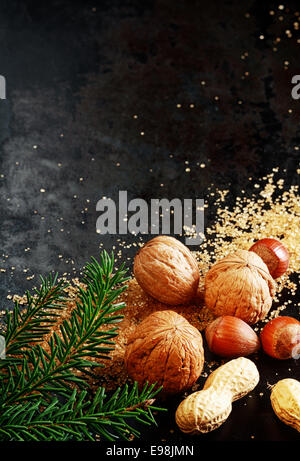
point(165, 349)
point(167, 270)
point(240, 285)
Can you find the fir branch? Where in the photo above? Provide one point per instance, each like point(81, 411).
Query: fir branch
point(37, 396)
point(80, 418)
point(80, 338)
point(27, 326)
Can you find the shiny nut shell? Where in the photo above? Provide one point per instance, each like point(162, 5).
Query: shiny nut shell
point(229, 336)
point(280, 338)
point(274, 254)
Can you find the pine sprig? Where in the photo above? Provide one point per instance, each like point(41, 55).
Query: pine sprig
point(80, 418)
point(37, 396)
point(24, 327)
point(53, 370)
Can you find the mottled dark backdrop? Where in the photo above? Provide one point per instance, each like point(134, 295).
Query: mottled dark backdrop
point(109, 95)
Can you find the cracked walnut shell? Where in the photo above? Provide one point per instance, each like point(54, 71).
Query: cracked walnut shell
point(165, 349)
point(167, 270)
point(240, 285)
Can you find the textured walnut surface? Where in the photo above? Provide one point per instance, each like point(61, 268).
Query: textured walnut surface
point(165, 348)
point(167, 270)
point(240, 285)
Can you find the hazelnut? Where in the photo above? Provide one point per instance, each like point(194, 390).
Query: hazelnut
point(240, 285)
point(167, 350)
point(274, 254)
point(280, 338)
point(229, 336)
point(167, 270)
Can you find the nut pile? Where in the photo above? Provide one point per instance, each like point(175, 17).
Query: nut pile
point(223, 289)
point(245, 257)
point(165, 348)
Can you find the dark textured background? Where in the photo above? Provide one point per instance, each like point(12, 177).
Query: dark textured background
point(78, 71)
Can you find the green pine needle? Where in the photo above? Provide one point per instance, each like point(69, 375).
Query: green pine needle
point(38, 400)
point(30, 325)
point(79, 418)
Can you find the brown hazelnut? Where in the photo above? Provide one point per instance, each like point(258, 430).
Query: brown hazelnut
point(167, 270)
point(280, 338)
point(274, 254)
point(240, 285)
point(165, 349)
point(229, 336)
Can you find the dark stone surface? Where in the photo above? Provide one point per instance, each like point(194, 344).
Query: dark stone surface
point(77, 72)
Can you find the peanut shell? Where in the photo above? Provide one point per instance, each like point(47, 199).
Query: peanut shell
point(285, 401)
